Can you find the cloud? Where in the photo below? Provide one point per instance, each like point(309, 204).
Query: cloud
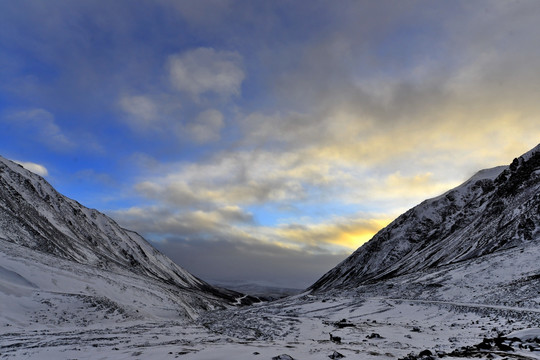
point(420, 128)
point(39, 124)
point(161, 221)
point(142, 110)
point(33, 167)
point(207, 126)
point(153, 114)
point(205, 70)
point(162, 115)
point(296, 183)
point(397, 190)
point(241, 178)
point(346, 233)
point(371, 98)
point(375, 143)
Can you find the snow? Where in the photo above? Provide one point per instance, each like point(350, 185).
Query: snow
point(11, 277)
point(531, 152)
point(239, 300)
point(525, 334)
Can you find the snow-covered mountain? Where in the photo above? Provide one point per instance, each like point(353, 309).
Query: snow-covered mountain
point(496, 210)
point(59, 237)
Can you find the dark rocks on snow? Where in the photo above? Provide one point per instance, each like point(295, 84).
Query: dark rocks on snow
point(343, 323)
point(498, 345)
point(283, 357)
point(336, 355)
point(423, 355)
point(335, 339)
point(374, 336)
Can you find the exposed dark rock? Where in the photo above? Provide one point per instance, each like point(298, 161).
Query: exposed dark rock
point(489, 348)
point(336, 355)
point(335, 339)
point(283, 357)
point(343, 323)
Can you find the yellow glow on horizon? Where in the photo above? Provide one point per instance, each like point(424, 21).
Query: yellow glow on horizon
point(353, 240)
point(346, 234)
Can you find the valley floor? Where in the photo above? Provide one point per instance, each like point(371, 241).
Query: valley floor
point(369, 328)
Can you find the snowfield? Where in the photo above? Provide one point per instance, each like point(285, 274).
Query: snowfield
point(375, 329)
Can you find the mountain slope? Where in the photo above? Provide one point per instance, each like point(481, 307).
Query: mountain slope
point(35, 217)
point(497, 209)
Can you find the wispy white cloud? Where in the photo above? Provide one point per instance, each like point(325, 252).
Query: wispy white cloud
point(207, 126)
point(217, 223)
point(141, 110)
point(206, 70)
point(41, 125)
point(243, 178)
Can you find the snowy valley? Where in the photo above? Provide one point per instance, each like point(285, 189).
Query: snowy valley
point(454, 277)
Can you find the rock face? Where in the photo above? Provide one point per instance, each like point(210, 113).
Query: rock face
point(497, 209)
point(34, 215)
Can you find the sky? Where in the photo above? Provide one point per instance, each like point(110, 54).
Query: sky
point(265, 141)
